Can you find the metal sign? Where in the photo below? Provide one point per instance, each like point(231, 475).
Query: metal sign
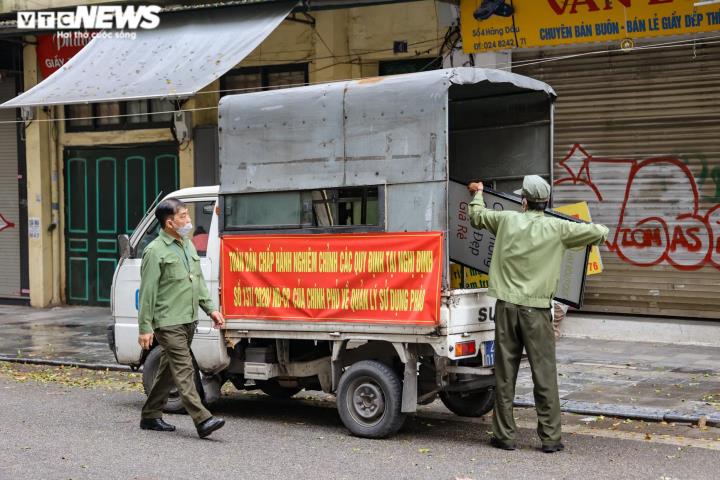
point(473, 248)
point(544, 23)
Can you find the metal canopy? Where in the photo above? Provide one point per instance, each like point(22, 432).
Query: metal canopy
point(396, 124)
point(188, 51)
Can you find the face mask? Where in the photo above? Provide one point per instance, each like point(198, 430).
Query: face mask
point(185, 230)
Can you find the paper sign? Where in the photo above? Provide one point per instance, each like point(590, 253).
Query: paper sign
point(34, 228)
point(580, 210)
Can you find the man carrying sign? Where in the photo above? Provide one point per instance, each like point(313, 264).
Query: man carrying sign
point(524, 274)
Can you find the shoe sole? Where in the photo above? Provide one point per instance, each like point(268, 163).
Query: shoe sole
point(208, 432)
point(157, 429)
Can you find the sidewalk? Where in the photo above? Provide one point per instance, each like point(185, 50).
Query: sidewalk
point(650, 381)
point(62, 334)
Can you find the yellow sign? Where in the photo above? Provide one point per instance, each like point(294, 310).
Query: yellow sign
point(581, 211)
point(540, 23)
point(465, 277)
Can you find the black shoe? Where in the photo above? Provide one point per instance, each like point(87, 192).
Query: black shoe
point(210, 425)
point(157, 424)
point(558, 447)
point(501, 445)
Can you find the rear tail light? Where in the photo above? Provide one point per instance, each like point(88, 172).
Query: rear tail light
point(465, 349)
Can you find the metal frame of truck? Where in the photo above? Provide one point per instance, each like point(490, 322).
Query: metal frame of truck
point(408, 135)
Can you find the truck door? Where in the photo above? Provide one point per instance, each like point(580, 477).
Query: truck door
point(126, 291)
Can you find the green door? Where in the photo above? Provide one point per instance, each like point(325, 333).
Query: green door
point(107, 191)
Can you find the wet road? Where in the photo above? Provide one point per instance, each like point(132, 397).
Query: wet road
point(73, 334)
point(56, 428)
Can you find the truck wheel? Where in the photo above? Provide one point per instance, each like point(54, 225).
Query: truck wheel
point(469, 404)
point(174, 403)
point(275, 390)
point(369, 400)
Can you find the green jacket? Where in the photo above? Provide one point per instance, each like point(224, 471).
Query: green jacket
point(171, 284)
point(528, 252)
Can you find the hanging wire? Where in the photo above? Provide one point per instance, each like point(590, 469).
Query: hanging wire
point(501, 66)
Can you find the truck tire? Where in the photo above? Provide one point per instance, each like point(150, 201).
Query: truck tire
point(469, 404)
point(275, 390)
point(369, 400)
point(174, 403)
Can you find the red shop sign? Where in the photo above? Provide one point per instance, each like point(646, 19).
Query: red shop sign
point(54, 50)
point(376, 278)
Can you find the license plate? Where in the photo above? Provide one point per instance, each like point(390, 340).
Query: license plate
point(488, 353)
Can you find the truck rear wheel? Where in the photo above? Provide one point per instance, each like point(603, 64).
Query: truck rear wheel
point(174, 403)
point(369, 400)
point(469, 404)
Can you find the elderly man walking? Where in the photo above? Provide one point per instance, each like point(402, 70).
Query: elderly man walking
point(171, 289)
point(524, 274)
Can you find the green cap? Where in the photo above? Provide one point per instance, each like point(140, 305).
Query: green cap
point(535, 189)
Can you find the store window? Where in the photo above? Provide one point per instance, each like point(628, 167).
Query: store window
point(250, 79)
point(133, 114)
point(410, 65)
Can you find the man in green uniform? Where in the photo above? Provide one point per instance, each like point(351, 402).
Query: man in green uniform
point(171, 288)
point(524, 274)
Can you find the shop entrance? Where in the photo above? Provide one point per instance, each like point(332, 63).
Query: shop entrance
point(107, 192)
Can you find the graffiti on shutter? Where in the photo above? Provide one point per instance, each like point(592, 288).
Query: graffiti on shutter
point(5, 223)
point(679, 234)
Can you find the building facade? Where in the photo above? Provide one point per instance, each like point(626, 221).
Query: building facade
point(94, 169)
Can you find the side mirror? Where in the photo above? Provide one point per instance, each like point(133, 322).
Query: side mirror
point(124, 246)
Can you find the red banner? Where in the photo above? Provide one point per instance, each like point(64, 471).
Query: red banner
point(360, 278)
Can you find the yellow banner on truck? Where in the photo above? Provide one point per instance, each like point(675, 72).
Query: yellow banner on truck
point(466, 277)
point(580, 210)
point(542, 23)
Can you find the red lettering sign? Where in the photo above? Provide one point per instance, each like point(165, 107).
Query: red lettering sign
point(377, 278)
point(54, 50)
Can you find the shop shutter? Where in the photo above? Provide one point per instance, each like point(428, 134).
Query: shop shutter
point(637, 136)
point(9, 200)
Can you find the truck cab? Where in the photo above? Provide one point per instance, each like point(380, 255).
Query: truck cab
point(208, 345)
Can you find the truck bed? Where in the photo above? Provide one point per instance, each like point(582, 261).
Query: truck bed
point(462, 311)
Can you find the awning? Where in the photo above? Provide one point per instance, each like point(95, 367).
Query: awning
point(188, 51)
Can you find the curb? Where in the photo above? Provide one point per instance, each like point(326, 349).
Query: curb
point(630, 412)
point(66, 363)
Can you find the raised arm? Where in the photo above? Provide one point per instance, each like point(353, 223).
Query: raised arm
point(481, 217)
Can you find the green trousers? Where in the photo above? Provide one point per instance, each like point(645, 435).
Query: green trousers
point(517, 326)
point(175, 369)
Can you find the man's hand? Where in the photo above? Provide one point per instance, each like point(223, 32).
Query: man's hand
point(217, 319)
point(145, 340)
point(475, 187)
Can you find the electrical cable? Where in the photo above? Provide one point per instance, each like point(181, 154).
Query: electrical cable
point(673, 44)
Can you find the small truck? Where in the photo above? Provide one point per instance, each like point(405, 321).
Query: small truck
point(326, 243)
